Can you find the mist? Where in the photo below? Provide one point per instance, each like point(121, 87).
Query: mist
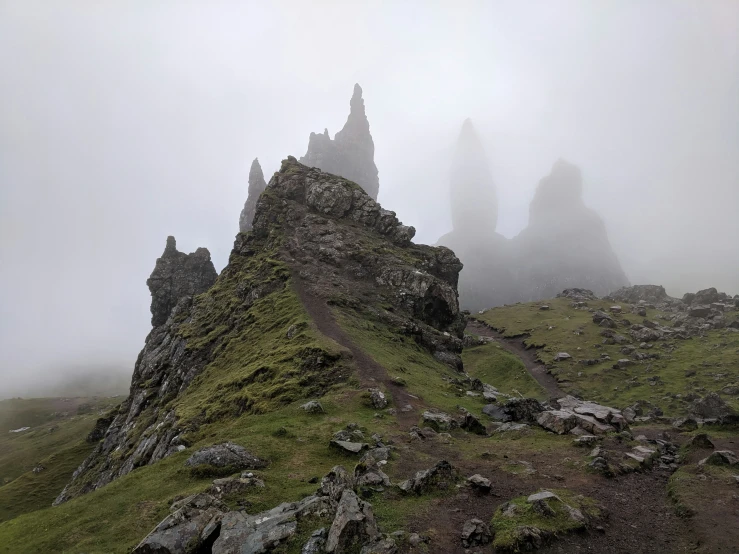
point(124, 122)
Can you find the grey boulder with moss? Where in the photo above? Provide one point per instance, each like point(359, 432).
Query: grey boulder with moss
point(225, 455)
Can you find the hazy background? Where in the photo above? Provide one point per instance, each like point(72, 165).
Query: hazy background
point(123, 122)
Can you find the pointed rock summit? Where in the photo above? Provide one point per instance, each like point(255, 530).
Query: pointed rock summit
point(566, 243)
point(486, 279)
point(257, 184)
point(177, 275)
point(474, 201)
point(351, 154)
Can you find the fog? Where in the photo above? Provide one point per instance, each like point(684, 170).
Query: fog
point(124, 122)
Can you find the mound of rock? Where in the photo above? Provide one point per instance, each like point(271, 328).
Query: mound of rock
point(581, 418)
point(225, 455)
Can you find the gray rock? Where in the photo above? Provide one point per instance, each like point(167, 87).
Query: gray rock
point(558, 421)
point(312, 407)
point(348, 447)
point(699, 311)
point(700, 441)
point(193, 522)
point(471, 424)
point(711, 406)
point(561, 356)
point(512, 427)
point(720, 458)
point(226, 454)
point(475, 533)
point(378, 399)
point(440, 477)
point(438, 421)
point(351, 153)
point(354, 524)
point(335, 482)
point(262, 532)
point(316, 542)
point(257, 185)
point(382, 546)
point(177, 275)
point(479, 482)
point(685, 424)
point(234, 485)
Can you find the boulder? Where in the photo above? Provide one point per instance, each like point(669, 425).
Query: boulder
point(479, 483)
point(263, 532)
point(711, 406)
point(225, 455)
point(348, 447)
point(440, 477)
point(378, 399)
point(561, 356)
point(475, 533)
point(700, 441)
point(354, 524)
point(194, 521)
point(312, 407)
point(720, 458)
point(316, 542)
point(558, 421)
point(471, 424)
point(235, 485)
point(699, 311)
point(335, 482)
point(438, 421)
point(386, 545)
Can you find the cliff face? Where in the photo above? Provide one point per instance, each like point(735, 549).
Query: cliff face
point(351, 154)
point(565, 244)
point(257, 184)
point(177, 275)
point(246, 346)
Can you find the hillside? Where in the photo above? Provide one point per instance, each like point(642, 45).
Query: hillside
point(322, 396)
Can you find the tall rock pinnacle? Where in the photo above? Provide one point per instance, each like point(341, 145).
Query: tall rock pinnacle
point(351, 154)
point(257, 185)
point(566, 243)
point(474, 202)
point(176, 275)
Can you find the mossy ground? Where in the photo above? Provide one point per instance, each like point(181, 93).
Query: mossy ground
point(699, 364)
point(507, 537)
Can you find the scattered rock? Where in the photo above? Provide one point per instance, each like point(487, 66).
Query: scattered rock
point(378, 399)
point(312, 407)
point(440, 477)
point(561, 356)
point(711, 406)
point(475, 533)
point(348, 447)
point(700, 441)
point(315, 543)
point(479, 483)
point(438, 421)
point(225, 455)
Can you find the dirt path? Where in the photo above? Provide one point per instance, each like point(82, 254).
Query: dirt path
point(527, 356)
point(371, 374)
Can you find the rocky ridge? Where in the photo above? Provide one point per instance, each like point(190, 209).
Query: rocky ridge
point(320, 227)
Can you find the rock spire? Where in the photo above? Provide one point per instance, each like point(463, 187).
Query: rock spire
point(177, 275)
point(257, 184)
point(473, 197)
point(351, 154)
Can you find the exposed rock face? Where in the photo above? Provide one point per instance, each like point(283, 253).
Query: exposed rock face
point(351, 154)
point(486, 279)
point(320, 227)
point(177, 275)
point(257, 184)
point(565, 244)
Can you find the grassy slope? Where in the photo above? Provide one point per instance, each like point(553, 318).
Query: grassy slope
point(555, 331)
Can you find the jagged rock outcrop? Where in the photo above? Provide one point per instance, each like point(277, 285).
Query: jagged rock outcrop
point(177, 275)
point(344, 248)
point(257, 184)
point(351, 154)
point(486, 279)
point(565, 244)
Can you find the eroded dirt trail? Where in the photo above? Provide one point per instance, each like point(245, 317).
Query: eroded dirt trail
point(371, 373)
point(516, 347)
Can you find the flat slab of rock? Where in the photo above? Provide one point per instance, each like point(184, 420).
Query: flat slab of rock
point(542, 495)
point(349, 447)
point(226, 454)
